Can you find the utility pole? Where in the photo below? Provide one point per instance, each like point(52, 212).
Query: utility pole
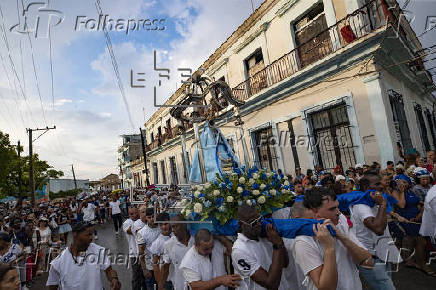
point(74, 176)
point(31, 173)
point(147, 181)
point(20, 194)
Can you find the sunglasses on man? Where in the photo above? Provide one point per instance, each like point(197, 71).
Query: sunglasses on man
point(253, 222)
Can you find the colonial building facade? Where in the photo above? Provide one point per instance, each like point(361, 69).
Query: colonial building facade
point(328, 82)
point(128, 153)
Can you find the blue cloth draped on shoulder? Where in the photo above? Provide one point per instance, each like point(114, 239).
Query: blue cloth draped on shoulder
point(299, 198)
point(358, 197)
point(287, 228)
point(214, 146)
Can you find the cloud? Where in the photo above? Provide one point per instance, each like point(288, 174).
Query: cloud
point(88, 109)
point(61, 102)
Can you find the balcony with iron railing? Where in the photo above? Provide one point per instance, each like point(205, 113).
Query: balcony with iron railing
point(354, 26)
point(169, 134)
point(365, 20)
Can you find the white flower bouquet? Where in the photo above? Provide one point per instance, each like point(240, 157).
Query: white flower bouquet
point(219, 200)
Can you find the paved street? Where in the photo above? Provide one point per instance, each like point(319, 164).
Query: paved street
point(406, 279)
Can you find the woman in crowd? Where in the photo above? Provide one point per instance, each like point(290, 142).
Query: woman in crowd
point(423, 182)
point(73, 208)
point(64, 225)
point(409, 217)
point(396, 189)
point(43, 238)
point(102, 210)
point(9, 278)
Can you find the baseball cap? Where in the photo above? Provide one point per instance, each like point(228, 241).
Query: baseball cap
point(339, 177)
point(358, 165)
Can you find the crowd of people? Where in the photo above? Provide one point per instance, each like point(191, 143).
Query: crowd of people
point(32, 237)
point(363, 243)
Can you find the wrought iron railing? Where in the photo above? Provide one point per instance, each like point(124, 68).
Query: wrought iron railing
point(354, 26)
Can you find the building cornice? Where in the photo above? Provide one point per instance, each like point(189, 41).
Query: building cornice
point(263, 27)
point(285, 7)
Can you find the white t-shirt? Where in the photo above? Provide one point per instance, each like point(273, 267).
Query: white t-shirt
point(157, 247)
point(428, 225)
point(137, 225)
point(115, 206)
point(292, 274)
point(147, 236)
point(196, 267)
point(11, 255)
point(89, 212)
point(131, 238)
point(174, 251)
point(45, 234)
point(86, 274)
point(250, 255)
point(309, 255)
point(381, 246)
point(283, 213)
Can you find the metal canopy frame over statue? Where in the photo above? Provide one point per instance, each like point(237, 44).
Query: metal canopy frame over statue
point(206, 98)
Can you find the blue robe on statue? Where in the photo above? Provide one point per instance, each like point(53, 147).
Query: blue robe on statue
point(214, 145)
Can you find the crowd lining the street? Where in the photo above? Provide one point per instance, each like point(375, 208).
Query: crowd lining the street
point(369, 242)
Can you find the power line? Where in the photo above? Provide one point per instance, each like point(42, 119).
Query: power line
point(10, 88)
point(114, 64)
point(426, 31)
point(51, 61)
point(11, 63)
point(40, 135)
point(6, 41)
point(405, 4)
point(36, 75)
point(21, 49)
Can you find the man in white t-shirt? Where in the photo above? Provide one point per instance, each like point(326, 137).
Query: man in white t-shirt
point(428, 226)
point(115, 213)
point(329, 262)
point(157, 249)
point(89, 209)
point(137, 275)
point(174, 251)
point(259, 261)
point(203, 265)
point(370, 224)
point(293, 273)
point(79, 266)
point(145, 238)
point(142, 221)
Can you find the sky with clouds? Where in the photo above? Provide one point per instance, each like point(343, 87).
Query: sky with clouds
point(86, 104)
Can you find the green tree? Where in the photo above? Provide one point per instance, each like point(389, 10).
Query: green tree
point(10, 164)
point(8, 161)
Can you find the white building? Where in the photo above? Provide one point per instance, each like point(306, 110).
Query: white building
point(64, 184)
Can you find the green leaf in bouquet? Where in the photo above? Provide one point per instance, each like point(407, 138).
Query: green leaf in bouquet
point(275, 203)
point(267, 209)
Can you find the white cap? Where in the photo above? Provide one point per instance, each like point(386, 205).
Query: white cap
point(358, 165)
point(339, 177)
point(399, 165)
